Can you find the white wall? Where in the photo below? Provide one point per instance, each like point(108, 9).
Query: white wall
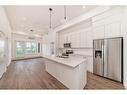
point(5, 27)
point(19, 37)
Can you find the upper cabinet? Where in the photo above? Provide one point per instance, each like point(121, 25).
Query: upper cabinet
point(89, 38)
point(108, 24)
point(105, 25)
point(98, 32)
point(113, 30)
point(79, 39)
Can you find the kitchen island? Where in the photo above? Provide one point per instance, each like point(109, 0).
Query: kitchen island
point(69, 71)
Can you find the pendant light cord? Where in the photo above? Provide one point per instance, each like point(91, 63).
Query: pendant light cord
point(65, 13)
point(50, 9)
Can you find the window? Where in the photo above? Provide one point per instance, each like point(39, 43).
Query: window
point(31, 48)
point(20, 49)
point(26, 48)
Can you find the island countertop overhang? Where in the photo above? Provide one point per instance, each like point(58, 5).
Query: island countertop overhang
point(72, 61)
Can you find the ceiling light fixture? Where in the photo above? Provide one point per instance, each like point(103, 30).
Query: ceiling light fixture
point(50, 26)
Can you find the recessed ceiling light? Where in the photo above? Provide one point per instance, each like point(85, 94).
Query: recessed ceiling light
point(84, 7)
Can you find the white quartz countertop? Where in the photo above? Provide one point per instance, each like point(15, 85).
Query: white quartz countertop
point(72, 61)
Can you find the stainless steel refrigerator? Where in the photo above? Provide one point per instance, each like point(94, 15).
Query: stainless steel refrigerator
point(108, 58)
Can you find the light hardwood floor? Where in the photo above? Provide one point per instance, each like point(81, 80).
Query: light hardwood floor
point(31, 74)
point(97, 82)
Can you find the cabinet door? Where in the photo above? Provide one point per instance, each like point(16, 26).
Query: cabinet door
point(98, 32)
point(83, 39)
point(61, 41)
point(69, 37)
point(78, 39)
point(89, 38)
point(113, 30)
point(73, 39)
point(64, 38)
point(51, 67)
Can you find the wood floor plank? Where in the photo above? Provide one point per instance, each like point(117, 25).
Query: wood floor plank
point(97, 82)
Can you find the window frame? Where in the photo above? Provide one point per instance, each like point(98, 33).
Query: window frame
point(28, 54)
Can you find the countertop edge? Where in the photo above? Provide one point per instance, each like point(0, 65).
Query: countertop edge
point(47, 57)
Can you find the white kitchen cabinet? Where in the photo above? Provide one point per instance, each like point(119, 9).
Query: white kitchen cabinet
point(110, 22)
point(98, 32)
point(73, 40)
point(83, 39)
point(71, 77)
point(69, 38)
point(60, 42)
point(107, 30)
point(49, 67)
point(113, 30)
point(89, 38)
point(89, 63)
point(77, 39)
point(64, 39)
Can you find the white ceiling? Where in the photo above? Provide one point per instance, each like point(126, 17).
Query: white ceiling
point(25, 18)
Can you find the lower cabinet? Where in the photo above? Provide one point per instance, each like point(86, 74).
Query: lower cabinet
point(90, 63)
point(71, 77)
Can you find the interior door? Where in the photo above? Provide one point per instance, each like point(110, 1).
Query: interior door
point(113, 58)
point(98, 57)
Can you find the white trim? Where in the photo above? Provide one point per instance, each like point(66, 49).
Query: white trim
point(26, 55)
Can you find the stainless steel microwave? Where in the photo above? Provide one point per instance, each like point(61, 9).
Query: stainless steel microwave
point(67, 45)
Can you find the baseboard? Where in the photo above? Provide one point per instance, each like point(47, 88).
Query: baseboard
point(26, 58)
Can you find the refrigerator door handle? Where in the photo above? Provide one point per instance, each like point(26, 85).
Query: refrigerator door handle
point(103, 58)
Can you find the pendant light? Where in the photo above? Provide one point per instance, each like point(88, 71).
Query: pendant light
point(50, 23)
